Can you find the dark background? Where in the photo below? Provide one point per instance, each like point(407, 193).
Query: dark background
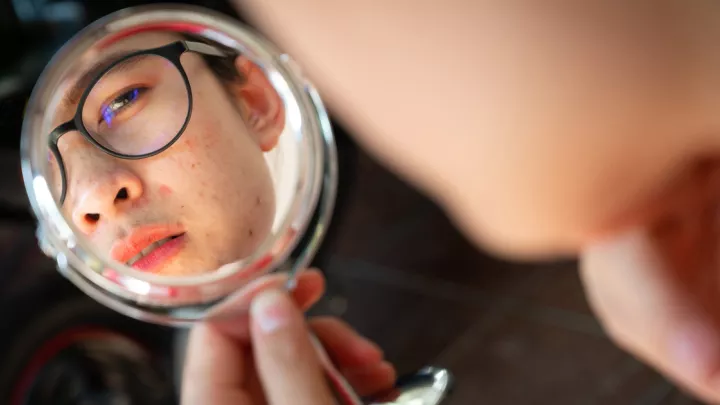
point(397, 270)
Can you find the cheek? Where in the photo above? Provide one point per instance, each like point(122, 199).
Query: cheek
point(203, 131)
point(261, 211)
point(194, 153)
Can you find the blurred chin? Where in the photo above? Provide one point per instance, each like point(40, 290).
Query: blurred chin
point(511, 239)
point(524, 247)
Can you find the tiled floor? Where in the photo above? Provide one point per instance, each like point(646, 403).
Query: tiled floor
point(512, 334)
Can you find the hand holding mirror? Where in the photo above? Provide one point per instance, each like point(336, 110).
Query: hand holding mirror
point(174, 159)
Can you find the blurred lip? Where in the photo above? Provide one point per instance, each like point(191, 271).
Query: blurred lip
point(138, 246)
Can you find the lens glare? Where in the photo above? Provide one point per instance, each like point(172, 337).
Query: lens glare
point(138, 106)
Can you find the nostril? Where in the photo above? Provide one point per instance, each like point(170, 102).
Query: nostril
point(122, 194)
point(92, 218)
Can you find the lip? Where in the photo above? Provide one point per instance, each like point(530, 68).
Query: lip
point(140, 238)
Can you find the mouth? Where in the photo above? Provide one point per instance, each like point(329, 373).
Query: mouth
point(149, 247)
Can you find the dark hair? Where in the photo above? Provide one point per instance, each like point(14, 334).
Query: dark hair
point(224, 67)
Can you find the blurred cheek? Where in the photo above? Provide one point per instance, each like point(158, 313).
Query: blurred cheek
point(196, 149)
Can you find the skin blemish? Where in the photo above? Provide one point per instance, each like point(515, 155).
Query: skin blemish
point(165, 190)
point(250, 232)
point(257, 200)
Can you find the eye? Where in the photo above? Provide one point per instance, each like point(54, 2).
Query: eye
point(111, 109)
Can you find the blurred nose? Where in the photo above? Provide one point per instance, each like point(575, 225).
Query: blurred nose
point(103, 194)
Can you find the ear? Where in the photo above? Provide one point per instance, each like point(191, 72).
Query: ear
point(261, 105)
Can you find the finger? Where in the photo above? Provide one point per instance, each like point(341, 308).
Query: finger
point(660, 313)
point(286, 360)
point(308, 290)
point(359, 360)
point(346, 348)
point(371, 380)
point(215, 369)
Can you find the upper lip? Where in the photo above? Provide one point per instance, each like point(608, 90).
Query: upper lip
point(140, 238)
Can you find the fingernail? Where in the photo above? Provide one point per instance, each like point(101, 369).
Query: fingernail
point(693, 348)
point(271, 310)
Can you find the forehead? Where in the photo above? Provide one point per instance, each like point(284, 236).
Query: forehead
point(117, 49)
point(145, 40)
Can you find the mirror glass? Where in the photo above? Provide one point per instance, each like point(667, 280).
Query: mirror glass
point(161, 152)
point(171, 162)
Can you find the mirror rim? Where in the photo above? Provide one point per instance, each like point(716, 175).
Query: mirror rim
point(309, 214)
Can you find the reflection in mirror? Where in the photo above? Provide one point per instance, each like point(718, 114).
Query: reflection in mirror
point(172, 156)
point(162, 152)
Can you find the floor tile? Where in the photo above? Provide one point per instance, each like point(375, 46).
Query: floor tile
point(676, 397)
point(561, 288)
point(412, 328)
point(523, 361)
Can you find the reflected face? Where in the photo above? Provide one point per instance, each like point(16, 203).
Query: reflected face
point(207, 200)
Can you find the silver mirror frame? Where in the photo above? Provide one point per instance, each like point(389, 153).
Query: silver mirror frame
point(173, 300)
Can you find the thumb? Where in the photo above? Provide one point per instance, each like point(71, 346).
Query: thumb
point(286, 360)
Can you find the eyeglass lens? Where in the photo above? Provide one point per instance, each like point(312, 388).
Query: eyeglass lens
point(138, 106)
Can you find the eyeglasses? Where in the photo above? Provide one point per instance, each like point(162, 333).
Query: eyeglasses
point(136, 107)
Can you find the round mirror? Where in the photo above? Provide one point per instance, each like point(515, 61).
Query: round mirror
point(173, 157)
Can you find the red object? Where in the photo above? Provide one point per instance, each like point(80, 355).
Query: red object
point(48, 351)
point(140, 238)
point(169, 26)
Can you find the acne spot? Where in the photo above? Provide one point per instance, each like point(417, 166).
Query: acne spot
point(250, 232)
point(193, 166)
point(165, 190)
point(257, 200)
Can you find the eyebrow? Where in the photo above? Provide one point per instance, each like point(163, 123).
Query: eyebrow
point(72, 96)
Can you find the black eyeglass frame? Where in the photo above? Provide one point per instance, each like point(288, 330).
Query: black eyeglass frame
point(171, 52)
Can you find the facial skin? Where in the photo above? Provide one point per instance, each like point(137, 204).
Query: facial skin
point(212, 185)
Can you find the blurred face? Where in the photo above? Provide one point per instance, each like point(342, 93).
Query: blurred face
point(206, 201)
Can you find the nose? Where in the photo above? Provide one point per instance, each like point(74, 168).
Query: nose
point(104, 196)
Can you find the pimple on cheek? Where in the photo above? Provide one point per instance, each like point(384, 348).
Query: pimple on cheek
point(165, 190)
